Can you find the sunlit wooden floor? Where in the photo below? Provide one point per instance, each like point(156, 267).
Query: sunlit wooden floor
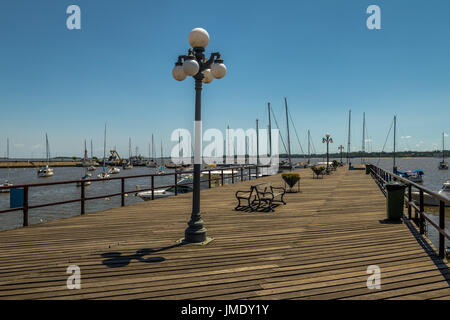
point(318, 246)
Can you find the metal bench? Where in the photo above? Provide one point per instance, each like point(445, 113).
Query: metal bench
point(262, 195)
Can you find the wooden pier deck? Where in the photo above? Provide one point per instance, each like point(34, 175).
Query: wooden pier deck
point(318, 246)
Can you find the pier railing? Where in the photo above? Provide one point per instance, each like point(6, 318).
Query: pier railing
point(241, 173)
point(382, 177)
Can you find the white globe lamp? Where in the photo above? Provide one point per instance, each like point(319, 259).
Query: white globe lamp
point(178, 72)
point(191, 67)
point(207, 76)
point(198, 38)
point(218, 69)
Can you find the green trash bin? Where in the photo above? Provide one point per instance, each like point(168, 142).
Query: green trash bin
point(395, 196)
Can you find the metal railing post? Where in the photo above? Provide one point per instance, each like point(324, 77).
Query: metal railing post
point(442, 227)
point(83, 196)
point(232, 176)
point(242, 174)
point(176, 184)
point(25, 206)
point(409, 201)
point(153, 187)
point(421, 218)
point(122, 193)
point(223, 181)
point(209, 179)
point(249, 173)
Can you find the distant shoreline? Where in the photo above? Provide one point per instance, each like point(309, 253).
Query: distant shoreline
point(35, 164)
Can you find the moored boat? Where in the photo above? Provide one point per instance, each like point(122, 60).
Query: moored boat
point(428, 200)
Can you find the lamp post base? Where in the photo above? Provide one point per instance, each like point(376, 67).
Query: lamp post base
point(195, 232)
point(203, 243)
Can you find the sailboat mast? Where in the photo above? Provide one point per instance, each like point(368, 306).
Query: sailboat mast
point(85, 151)
point(162, 161)
point(363, 136)
point(270, 132)
point(288, 137)
point(104, 148)
point(348, 142)
point(153, 149)
point(395, 137)
point(92, 154)
point(443, 147)
point(257, 143)
point(46, 148)
point(7, 148)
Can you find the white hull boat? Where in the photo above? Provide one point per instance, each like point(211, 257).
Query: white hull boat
point(45, 172)
point(6, 184)
point(103, 175)
point(429, 200)
point(114, 170)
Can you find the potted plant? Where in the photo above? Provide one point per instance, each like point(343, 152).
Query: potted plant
point(317, 171)
point(291, 179)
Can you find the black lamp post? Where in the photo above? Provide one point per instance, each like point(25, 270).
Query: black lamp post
point(327, 140)
point(341, 147)
point(202, 70)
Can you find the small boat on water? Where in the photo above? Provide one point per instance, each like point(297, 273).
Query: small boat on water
point(160, 170)
point(114, 170)
point(443, 165)
point(127, 166)
point(91, 168)
point(103, 175)
point(167, 192)
point(431, 201)
point(172, 165)
point(6, 184)
point(150, 164)
point(45, 171)
point(412, 175)
point(86, 176)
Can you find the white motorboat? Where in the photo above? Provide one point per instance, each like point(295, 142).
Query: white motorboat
point(103, 175)
point(167, 192)
point(150, 164)
point(6, 184)
point(443, 165)
point(431, 201)
point(45, 171)
point(413, 175)
point(114, 170)
point(127, 166)
point(91, 168)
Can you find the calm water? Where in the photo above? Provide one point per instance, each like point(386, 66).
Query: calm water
point(433, 179)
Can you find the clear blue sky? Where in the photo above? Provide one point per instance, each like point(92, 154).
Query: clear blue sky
point(319, 54)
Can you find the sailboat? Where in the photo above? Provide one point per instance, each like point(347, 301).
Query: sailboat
point(6, 183)
point(104, 174)
point(412, 175)
point(45, 171)
point(151, 163)
point(128, 165)
point(161, 167)
point(443, 165)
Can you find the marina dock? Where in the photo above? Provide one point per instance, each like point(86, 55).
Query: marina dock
point(317, 246)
